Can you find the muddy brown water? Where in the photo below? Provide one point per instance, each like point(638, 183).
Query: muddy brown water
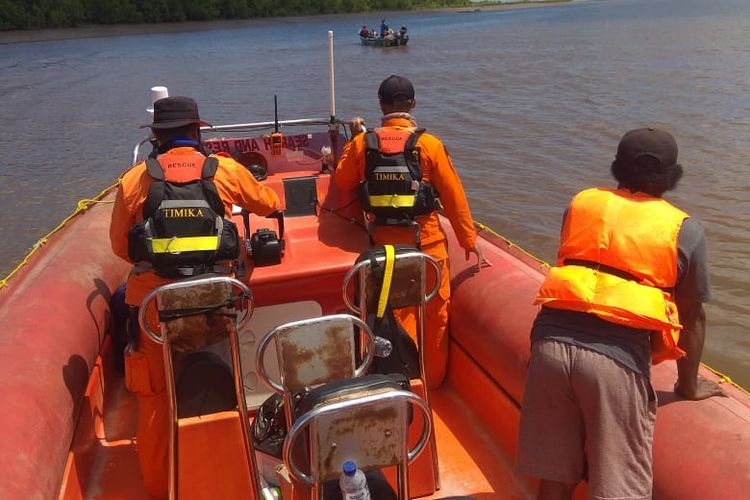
point(531, 103)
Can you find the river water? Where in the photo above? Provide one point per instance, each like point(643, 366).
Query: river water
point(531, 103)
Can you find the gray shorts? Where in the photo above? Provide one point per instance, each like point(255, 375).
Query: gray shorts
point(585, 416)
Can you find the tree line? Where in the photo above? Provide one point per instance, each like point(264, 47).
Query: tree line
point(36, 14)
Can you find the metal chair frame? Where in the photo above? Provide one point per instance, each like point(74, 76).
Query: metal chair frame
point(236, 372)
point(360, 269)
point(319, 421)
point(305, 328)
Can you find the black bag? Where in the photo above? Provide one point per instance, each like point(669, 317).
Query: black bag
point(404, 357)
point(204, 384)
point(269, 425)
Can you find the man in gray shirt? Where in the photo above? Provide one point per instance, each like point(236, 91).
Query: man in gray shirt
point(631, 279)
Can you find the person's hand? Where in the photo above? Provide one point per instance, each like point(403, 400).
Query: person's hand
point(481, 261)
point(702, 389)
point(357, 125)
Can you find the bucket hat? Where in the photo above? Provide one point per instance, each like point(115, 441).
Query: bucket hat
point(175, 112)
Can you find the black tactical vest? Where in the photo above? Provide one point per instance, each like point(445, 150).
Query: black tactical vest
point(393, 189)
point(183, 231)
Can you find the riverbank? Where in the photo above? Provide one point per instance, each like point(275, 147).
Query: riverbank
point(96, 31)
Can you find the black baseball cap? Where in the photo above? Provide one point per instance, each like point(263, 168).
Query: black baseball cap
point(175, 112)
point(648, 142)
point(395, 88)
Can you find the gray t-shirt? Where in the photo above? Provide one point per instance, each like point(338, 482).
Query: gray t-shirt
point(631, 346)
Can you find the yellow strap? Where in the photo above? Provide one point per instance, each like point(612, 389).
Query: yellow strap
point(392, 200)
point(387, 276)
point(187, 244)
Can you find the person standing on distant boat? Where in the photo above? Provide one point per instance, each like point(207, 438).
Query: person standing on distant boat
point(215, 183)
point(383, 28)
point(416, 221)
point(628, 291)
point(402, 33)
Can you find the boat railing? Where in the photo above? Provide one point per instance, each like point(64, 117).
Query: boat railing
point(267, 124)
point(253, 126)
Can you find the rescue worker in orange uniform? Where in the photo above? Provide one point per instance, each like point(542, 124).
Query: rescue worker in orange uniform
point(627, 291)
point(395, 154)
point(220, 182)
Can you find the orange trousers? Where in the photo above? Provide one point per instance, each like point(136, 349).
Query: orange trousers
point(436, 333)
point(144, 376)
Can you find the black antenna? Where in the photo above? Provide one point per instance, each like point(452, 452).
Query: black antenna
point(277, 139)
point(275, 114)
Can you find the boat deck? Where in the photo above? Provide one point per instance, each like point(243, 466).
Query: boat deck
point(470, 464)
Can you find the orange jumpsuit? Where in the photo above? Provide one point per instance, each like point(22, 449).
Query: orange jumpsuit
point(144, 369)
point(437, 169)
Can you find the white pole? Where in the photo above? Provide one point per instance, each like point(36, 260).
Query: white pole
point(331, 80)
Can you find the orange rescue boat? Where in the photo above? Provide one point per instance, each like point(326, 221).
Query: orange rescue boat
point(69, 424)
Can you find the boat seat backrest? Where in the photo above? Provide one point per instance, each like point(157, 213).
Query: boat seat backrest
point(369, 428)
point(193, 314)
point(411, 270)
point(182, 322)
point(315, 351)
point(409, 287)
point(196, 313)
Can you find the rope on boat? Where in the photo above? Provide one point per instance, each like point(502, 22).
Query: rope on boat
point(483, 228)
point(81, 206)
point(725, 379)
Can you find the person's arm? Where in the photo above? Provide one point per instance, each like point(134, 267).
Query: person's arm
point(445, 180)
point(350, 168)
point(689, 385)
point(692, 290)
point(251, 194)
point(123, 217)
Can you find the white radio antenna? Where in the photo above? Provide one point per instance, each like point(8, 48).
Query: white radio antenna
point(331, 79)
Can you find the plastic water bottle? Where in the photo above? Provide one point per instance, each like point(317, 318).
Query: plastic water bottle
point(353, 483)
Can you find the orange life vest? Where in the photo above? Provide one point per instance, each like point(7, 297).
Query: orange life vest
point(618, 261)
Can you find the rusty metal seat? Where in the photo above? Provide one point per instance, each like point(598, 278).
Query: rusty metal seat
point(314, 352)
point(369, 428)
point(408, 287)
point(311, 353)
point(194, 314)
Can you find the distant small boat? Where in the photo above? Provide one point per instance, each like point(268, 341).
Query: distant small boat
point(382, 42)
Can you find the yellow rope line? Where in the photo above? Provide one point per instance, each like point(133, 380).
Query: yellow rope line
point(725, 379)
point(510, 244)
point(81, 206)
